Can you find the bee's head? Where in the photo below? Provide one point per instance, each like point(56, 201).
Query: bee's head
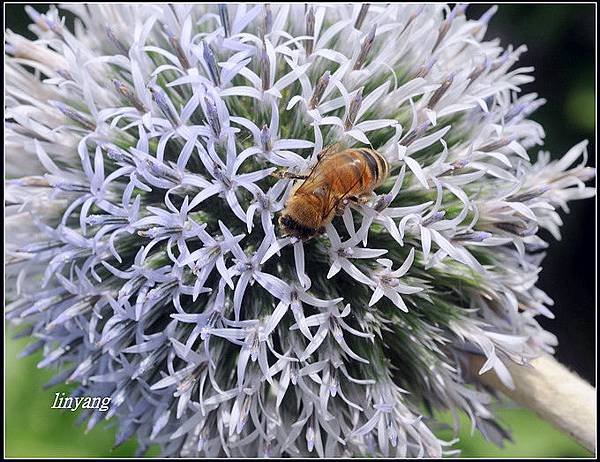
point(291, 226)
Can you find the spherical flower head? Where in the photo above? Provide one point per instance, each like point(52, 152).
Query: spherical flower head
point(144, 253)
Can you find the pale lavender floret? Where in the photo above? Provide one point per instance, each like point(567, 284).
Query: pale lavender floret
point(138, 173)
point(388, 282)
point(340, 253)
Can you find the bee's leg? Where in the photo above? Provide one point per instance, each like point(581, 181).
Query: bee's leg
point(340, 208)
point(360, 200)
point(282, 173)
point(351, 200)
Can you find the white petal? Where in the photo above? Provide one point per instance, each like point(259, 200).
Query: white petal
point(299, 262)
point(371, 125)
point(335, 268)
point(428, 140)
point(275, 317)
point(377, 294)
point(425, 242)
point(318, 338)
point(358, 135)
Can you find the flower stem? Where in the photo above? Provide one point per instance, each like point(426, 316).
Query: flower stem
point(556, 394)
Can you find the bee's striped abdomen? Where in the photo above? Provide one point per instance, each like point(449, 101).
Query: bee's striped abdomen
point(378, 166)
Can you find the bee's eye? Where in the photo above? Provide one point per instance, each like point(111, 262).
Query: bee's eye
point(284, 221)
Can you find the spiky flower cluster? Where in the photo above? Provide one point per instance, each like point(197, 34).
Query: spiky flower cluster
point(144, 256)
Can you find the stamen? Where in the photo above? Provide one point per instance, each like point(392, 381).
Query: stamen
point(164, 289)
point(365, 48)
point(96, 220)
point(212, 116)
point(445, 27)
point(389, 281)
point(495, 145)
point(267, 19)
point(392, 434)
point(129, 95)
point(478, 70)
point(162, 171)
point(519, 229)
point(415, 134)
point(161, 100)
point(424, 69)
point(73, 115)
point(245, 410)
point(71, 187)
point(264, 71)
point(310, 30)
point(177, 47)
point(437, 95)
point(475, 236)
point(265, 139)
point(362, 14)
point(437, 216)
point(383, 202)
point(211, 63)
point(219, 175)
point(117, 155)
point(353, 109)
point(458, 164)
point(224, 15)
point(319, 90)
point(412, 17)
point(115, 41)
point(532, 194)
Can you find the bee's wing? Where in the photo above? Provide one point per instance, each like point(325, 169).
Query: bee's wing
point(333, 203)
point(331, 149)
point(316, 178)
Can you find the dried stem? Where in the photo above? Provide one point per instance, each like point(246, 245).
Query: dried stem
point(556, 394)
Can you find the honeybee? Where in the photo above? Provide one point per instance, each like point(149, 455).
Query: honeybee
point(340, 177)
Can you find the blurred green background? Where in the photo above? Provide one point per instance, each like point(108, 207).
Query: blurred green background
point(560, 39)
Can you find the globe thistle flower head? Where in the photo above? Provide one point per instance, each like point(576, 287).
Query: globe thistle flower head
point(144, 251)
